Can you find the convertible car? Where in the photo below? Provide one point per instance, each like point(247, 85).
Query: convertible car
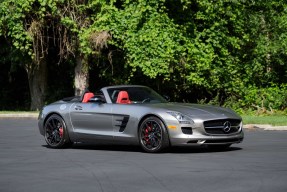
point(133, 114)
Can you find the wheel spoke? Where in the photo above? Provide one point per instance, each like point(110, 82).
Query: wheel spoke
point(153, 142)
point(51, 138)
point(57, 137)
point(50, 125)
point(53, 123)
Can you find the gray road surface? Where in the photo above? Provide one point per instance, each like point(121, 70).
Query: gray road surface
point(26, 164)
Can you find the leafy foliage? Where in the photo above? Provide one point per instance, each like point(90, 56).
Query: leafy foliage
point(152, 43)
point(224, 52)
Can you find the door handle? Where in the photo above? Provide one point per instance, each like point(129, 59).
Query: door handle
point(77, 107)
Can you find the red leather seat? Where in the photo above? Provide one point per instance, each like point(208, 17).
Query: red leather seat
point(123, 98)
point(87, 97)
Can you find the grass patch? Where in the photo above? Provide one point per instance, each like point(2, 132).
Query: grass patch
point(18, 112)
point(275, 120)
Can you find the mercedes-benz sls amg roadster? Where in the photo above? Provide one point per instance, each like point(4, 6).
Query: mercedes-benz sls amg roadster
point(133, 114)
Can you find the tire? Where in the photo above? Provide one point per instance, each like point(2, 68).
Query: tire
point(153, 136)
point(219, 147)
point(56, 134)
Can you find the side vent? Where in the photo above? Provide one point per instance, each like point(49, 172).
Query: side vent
point(122, 122)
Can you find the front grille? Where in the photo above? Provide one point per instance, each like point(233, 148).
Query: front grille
point(187, 130)
point(222, 126)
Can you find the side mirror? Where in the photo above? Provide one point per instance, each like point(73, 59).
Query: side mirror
point(166, 97)
point(97, 99)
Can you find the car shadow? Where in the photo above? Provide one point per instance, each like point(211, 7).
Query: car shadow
point(133, 148)
point(107, 147)
point(200, 149)
point(101, 147)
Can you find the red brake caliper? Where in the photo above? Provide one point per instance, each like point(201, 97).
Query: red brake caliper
point(147, 130)
point(61, 132)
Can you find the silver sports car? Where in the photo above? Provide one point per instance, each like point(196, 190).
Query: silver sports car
point(132, 114)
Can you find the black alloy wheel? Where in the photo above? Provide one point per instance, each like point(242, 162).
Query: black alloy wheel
point(153, 135)
point(56, 135)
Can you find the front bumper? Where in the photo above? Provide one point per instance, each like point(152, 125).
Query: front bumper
point(198, 136)
point(203, 140)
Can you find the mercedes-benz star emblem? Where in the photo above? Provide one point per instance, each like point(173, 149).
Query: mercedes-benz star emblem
point(227, 127)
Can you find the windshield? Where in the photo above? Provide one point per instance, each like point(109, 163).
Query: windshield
point(136, 95)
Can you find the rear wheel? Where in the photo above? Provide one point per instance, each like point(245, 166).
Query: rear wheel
point(153, 136)
point(56, 135)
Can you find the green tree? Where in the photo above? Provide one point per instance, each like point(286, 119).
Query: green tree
point(265, 61)
point(216, 49)
point(151, 42)
point(188, 43)
point(18, 25)
point(34, 26)
point(77, 16)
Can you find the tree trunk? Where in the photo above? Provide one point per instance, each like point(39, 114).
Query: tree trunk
point(81, 75)
point(38, 84)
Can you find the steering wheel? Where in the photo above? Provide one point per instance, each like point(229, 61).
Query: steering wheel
point(146, 100)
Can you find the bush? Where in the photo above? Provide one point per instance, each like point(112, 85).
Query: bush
point(261, 100)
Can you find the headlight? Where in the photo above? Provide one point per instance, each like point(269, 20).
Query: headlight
point(182, 119)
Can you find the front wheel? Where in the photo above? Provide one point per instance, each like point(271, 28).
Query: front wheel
point(153, 136)
point(56, 135)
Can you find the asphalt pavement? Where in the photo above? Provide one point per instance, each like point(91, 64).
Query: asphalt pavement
point(26, 164)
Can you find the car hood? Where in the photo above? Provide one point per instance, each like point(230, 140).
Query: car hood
point(200, 111)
